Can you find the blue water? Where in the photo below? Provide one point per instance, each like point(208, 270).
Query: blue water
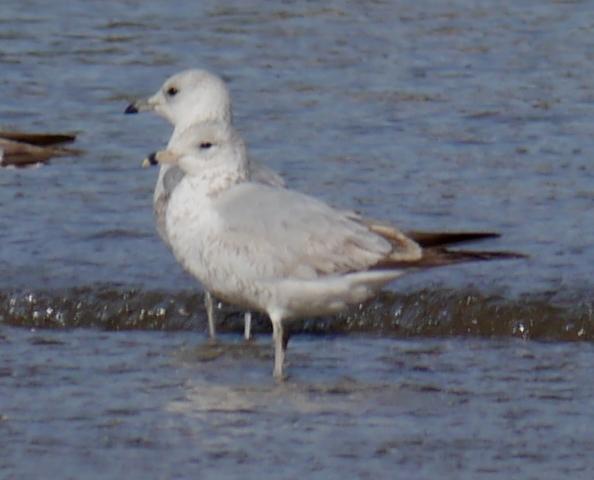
point(443, 116)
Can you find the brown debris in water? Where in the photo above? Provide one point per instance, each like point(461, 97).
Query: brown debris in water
point(21, 149)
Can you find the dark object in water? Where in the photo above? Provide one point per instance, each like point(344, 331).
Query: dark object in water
point(20, 149)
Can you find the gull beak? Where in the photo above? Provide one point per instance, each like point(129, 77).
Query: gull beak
point(151, 160)
point(142, 105)
point(161, 157)
point(132, 108)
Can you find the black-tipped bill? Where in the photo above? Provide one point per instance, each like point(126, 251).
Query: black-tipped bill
point(152, 159)
point(131, 109)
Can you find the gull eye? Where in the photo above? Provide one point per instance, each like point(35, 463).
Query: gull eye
point(205, 145)
point(172, 91)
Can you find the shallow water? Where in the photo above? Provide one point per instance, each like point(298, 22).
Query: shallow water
point(440, 115)
point(161, 405)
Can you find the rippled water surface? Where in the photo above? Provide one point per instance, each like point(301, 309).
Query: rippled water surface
point(431, 115)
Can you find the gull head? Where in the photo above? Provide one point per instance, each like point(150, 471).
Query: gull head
point(188, 97)
point(205, 147)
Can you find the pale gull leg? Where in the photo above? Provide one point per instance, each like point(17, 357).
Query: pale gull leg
point(209, 304)
point(279, 347)
point(247, 332)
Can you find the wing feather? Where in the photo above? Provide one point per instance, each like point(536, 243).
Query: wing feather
point(297, 235)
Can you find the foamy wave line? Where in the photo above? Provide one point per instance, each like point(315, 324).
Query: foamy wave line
point(431, 313)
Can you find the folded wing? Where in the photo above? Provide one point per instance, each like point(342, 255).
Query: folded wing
point(298, 236)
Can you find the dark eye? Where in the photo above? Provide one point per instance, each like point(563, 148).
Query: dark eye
point(205, 145)
point(171, 91)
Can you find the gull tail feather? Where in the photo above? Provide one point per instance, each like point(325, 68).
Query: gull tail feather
point(427, 239)
point(436, 239)
point(440, 257)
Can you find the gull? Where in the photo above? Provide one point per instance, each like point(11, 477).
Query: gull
point(188, 98)
point(277, 251)
point(22, 149)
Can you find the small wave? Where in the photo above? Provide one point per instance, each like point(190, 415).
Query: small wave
point(421, 313)
point(118, 233)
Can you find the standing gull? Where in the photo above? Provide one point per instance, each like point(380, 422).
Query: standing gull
point(275, 250)
point(186, 99)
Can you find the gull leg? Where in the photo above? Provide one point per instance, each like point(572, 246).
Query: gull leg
point(279, 347)
point(209, 304)
point(247, 332)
